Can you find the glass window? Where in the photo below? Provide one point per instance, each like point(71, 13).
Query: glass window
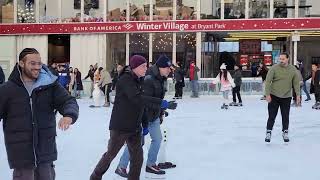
point(208, 56)
point(116, 43)
point(70, 11)
point(228, 46)
point(259, 8)
point(186, 9)
point(116, 10)
point(26, 11)
point(163, 9)
point(93, 10)
point(49, 11)
point(210, 9)
point(162, 44)
point(284, 9)
point(265, 46)
point(234, 9)
point(6, 12)
point(186, 48)
point(139, 10)
point(139, 44)
point(307, 9)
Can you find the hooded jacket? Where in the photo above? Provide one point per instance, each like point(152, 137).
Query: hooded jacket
point(29, 121)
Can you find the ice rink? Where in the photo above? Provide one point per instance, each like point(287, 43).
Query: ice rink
point(205, 142)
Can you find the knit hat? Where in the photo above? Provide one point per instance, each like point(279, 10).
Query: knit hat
point(163, 62)
point(136, 61)
point(223, 66)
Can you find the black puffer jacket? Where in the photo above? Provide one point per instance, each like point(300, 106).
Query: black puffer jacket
point(2, 77)
point(29, 122)
point(154, 87)
point(129, 104)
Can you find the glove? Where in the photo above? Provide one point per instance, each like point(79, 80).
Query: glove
point(145, 131)
point(172, 105)
point(164, 104)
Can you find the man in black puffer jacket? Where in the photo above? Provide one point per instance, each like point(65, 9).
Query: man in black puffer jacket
point(126, 118)
point(27, 106)
point(153, 87)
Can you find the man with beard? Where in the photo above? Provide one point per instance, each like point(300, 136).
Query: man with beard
point(279, 82)
point(28, 103)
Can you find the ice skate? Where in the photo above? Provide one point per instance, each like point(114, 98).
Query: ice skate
point(268, 136)
point(154, 172)
point(285, 136)
point(233, 104)
point(122, 172)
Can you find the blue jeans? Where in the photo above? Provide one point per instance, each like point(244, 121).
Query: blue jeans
point(195, 88)
point(156, 139)
point(304, 86)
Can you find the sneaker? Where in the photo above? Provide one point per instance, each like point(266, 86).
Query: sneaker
point(317, 104)
point(233, 104)
point(122, 172)
point(154, 170)
point(268, 136)
point(166, 165)
point(285, 136)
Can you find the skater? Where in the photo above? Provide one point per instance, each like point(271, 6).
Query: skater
point(294, 94)
point(279, 82)
point(77, 85)
point(28, 103)
point(2, 77)
point(153, 87)
point(53, 69)
point(263, 71)
point(305, 79)
point(63, 77)
point(226, 81)
point(316, 85)
point(236, 90)
point(193, 76)
point(179, 81)
point(126, 118)
point(105, 83)
point(91, 75)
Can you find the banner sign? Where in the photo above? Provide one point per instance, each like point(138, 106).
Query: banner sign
point(163, 26)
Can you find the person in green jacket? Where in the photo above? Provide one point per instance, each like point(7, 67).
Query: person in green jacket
point(279, 82)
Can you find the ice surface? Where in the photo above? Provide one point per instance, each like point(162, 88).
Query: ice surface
point(205, 142)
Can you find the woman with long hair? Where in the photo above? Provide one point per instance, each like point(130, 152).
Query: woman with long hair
point(226, 82)
point(77, 85)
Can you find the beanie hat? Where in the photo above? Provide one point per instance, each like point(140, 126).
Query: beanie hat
point(163, 62)
point(223, 66)
point(136, 61)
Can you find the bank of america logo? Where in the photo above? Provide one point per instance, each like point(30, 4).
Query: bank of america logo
point(128, 26)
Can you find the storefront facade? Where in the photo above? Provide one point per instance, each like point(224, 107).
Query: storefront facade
point(208, 31)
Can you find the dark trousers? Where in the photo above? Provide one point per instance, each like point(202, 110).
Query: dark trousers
point(107, 89)
point(317, 97)
point(42, 172)
point(236, 91)
point(179, 89)
point(116, 141)
point(273, 107)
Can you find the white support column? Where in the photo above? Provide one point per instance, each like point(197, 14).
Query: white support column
point(271, 8)
point(15, 11)
point(296, 8)
point(82, 11)
point(222, 9)
point(151, 10)
point(295, 38)
point(36, 7)
point(198, 51)
point(127, 34)
point(128, 10)
point(60, 10)
point(247, 9)
point(104, 13)
point(198, 9)
point(174, 35)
